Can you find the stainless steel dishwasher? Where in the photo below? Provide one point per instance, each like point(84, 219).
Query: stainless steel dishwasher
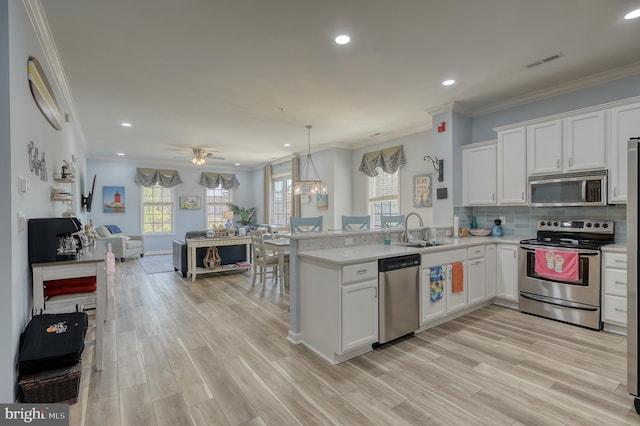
point(399, 301)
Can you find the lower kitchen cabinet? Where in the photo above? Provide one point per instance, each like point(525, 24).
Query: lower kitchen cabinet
point(507, 271)
point(490, 272)
point(429, 309)
point(476, 269)
point(339, 308)
point(614, 299)
point(359, 314)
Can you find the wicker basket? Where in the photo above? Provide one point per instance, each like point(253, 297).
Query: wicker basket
point(57, 385)
point(224, 233)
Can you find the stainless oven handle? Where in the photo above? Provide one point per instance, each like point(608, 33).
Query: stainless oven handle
point(557, 302)
point(580, 251)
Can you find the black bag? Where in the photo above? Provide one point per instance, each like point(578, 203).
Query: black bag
point(52, 341)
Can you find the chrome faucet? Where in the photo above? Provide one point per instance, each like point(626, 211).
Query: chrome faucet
point(405, 236)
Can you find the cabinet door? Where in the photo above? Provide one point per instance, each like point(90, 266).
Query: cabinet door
point(480, 175)
point(507, 272)
point(456, 301)
point(475, 280)
point(359, 314)
point(624, 124)
point(430, 310)
point(512, 166)
point(585, 142)
point(490, 272)
point(544, 148)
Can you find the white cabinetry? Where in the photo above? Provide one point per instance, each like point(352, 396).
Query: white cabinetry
point(490, 271)
point(479, 174)
point(512, 166)
point(507, 270)
point(450, 302)
point(624, 123)
point(476, 267)
point(614, 309)
point(544, 147)
point(568, 145)
point(339, 308)
point(585, 142)
point(430, 309)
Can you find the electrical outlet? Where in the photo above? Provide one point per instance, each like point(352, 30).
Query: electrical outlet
point(503, 219)
point(348, 241)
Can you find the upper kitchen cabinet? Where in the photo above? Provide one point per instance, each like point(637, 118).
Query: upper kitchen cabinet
point(512, 166)
point(479, 174)
point(624, 124)
point(572, 144)
point(544, 147)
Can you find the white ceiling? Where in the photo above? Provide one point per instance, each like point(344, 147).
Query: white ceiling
point(243, 77)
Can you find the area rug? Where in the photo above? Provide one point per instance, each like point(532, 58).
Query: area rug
point(157, 263)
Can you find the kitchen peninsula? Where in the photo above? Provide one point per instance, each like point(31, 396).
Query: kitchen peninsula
point(334, 285)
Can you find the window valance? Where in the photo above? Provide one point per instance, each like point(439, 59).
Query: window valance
point(214, 180)
point(152, 177)
point(388, 159)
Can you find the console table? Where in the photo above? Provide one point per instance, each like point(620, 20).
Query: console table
point(194, 243)
point(89, 264)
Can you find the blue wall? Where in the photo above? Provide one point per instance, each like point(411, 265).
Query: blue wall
point(482, 126)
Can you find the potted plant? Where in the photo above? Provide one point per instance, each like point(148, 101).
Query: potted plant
point(246, 215)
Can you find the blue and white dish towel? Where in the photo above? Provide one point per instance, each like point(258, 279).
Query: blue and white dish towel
point(436, 283)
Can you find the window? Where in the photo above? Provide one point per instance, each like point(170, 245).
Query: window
point(217, 204)
point(157, 210)
point(383, 196)
point(281, 200)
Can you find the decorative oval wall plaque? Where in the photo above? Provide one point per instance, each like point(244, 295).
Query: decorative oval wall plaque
point(42, 93)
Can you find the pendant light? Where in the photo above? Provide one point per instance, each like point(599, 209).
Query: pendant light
point(316, 186)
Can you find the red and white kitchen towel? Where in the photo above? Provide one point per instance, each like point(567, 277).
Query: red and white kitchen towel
point(557, 264)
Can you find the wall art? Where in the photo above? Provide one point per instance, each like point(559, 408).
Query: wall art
point(42, 93)
point(189, 202)
point(322, 201)
point(37, 165)
point(113, 199)
point(422, 190)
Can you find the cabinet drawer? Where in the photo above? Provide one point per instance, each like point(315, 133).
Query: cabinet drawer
point(615, 282)
point(615, 309)
point(359, 272)
point(615, 260)
point(475, 252)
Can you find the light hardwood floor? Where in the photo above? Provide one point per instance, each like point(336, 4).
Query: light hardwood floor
point(214, 352)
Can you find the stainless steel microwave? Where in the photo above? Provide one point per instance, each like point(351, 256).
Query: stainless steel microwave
point(571, 189)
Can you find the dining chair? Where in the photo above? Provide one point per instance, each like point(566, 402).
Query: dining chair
point(355, 223)
point(392, 221)
point(306, 224)
point(264, 264)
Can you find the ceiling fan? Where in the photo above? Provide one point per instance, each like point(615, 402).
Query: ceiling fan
point(199, 155)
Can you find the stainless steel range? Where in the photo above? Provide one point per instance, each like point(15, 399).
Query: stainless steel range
point(559, 270)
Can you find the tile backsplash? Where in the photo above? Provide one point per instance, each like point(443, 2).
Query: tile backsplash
point(521, 221)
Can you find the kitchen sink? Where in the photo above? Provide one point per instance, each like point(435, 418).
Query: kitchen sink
point(421, 243)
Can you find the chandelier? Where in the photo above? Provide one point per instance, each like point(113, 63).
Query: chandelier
point(199, 156)
point(316, 186)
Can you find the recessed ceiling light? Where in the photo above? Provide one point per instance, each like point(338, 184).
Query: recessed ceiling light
point(120, 154)
point(448, 82)
point(343, 39)
point(237, 164)
point(124, 124)
point(287, 144)
point(633, 14)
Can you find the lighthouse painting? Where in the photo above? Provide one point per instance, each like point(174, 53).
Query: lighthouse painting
point(113, 199)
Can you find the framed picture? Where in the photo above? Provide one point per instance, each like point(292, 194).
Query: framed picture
point(322, 201)
point(189, 202)
point(113, 199)
point(422, 190)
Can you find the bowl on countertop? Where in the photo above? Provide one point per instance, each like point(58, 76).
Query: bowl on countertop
point(480, 232)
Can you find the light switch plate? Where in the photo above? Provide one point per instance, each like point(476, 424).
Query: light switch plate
point(23, 184)
point(22, 220)
point(348, 241)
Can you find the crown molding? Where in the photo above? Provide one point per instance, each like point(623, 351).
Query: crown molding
point(38, 19)
point(560, 89)
point(454, 106)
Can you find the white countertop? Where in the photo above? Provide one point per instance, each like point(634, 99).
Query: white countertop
point(615, 248)
point(355, 254)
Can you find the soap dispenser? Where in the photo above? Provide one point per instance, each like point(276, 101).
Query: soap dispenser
point(497, 229)
point(474, 223)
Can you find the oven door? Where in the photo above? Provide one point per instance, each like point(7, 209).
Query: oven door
point(586, 290)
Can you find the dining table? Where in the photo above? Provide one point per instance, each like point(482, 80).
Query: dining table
point(280, 248)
